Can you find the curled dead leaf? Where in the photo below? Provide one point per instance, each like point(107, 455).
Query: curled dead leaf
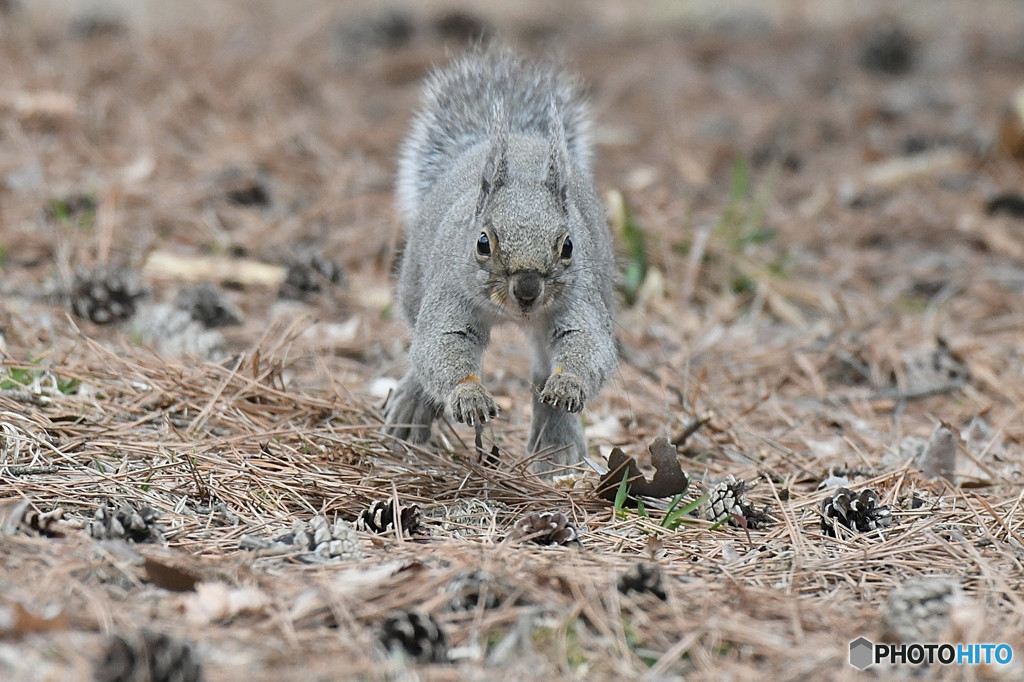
point(668, 480)
point(172, 578)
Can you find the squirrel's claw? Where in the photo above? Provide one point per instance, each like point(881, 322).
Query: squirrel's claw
point(472, 404)
point(564, 390)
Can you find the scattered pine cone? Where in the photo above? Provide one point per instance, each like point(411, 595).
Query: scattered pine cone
point(385, 29)
point(728, 499)
point(47, 525)
point(104, 296)
point(306, 275)
point(207, 305)
point(416, 634)
point(336, 541)
point(18, 516)
point(244, 187)
point(546, 528)
point(254, 194)
point(317, 541)
point(171, 331)
point(125, 523)
point(858, 512)
point(152, 656)
point(379, 518)
point(889, 50)
point(643, 577)
point(919, 610)
point(473, 589)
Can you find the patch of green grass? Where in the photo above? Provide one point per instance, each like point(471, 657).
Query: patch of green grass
point(77, 210)
point(718, 524)
point(636, 262)
point(37, 380)
point(493, 637)
point(742, 223)
point(735, 254)
point(637, 644)
point(675, 516)
point(550, 639)
point(621, 495)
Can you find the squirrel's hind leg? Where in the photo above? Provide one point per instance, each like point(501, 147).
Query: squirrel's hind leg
point(410, 412)
point(555, 434)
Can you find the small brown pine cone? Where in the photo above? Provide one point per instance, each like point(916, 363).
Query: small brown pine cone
point(104, 296)
point(416, 634)
point(125, 523)
point(728, 499)
point(860, 512)
point(379, 518)
point(546, 528)
point(307, 275)
point(643, 577)
point(150, 656)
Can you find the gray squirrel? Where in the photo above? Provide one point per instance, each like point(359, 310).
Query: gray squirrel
point(503, 224)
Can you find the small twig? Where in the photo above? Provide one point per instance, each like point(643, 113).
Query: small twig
point(30, 470)
point(693, 427)
point(918, 394)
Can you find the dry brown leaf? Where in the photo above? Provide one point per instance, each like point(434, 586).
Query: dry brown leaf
point(669, 478)
point(17, 620)
point(173, 578)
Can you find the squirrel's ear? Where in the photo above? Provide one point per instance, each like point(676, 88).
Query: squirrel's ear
point(558, 159)
point(495, 172)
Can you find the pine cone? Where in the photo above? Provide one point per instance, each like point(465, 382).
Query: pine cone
point(728, 499)
point(252, 194)
point(317, 541)
point(473, 589)
point(207, 305)
point(152, 656)
point(858, 512)
point(337, 541)
point(643, 577)
point(919, 609)
point(47, 525)
point(417, 634)
point(379, 518)
point(104, 296)
point(125, 523)
point(546, 528)
point(306, 275)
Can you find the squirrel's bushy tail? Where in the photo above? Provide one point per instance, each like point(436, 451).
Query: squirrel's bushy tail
point(476, 98)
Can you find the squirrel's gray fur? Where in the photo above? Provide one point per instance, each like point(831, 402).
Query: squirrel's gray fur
point(502, 223)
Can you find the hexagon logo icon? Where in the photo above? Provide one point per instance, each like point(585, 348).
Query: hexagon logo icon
point(861, 653)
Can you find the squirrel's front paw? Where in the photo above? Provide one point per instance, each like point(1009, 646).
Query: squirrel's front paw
point(565, 391)
point(472, 404)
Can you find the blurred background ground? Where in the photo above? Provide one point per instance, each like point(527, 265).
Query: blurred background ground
point(821, 230)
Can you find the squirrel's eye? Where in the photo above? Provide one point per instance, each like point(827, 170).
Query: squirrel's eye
point(567, 249)
point(483, 245)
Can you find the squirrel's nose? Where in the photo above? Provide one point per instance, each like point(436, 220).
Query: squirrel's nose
point(527, 287)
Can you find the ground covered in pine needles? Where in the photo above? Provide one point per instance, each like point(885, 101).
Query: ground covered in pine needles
point(821, 266)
